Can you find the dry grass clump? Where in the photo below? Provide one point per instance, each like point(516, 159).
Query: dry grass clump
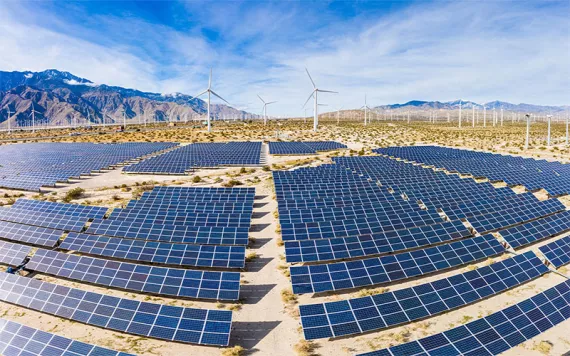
point(234, 351)
point(73, 194)
point(288, 297)
point(544, 347)
point(371, 291)
point(305, 348)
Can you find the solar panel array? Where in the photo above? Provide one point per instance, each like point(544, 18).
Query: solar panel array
point(157, 252)
point(365, 245)
point(199, 155)
point(537, 230)
point(360, 315)
point(186, 325)
point(303, 148)
point(497, 332)
point(367, 272)
point(87, 211)
point(30, 234)
point(38, 218)
point(18, 340)
point(137, 277)
point(534, 174)
point(33, 165)
point(202, 232)
point(557, 252)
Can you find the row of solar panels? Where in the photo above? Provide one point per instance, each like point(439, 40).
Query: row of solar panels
point(554, 177)
point(198, 155)
point(303, 148)
point(33, 165)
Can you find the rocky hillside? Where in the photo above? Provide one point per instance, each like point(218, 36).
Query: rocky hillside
point(60, 98)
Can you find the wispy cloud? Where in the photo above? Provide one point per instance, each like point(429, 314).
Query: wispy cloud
point(481, 51)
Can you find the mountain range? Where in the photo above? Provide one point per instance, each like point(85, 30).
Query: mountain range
point(454, 105)
point(61, 98)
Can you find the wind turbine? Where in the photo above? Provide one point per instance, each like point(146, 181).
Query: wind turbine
point(527, 131)
point(265, 108)
point(33, 115)
point(459, 113)
point(210, 91)
point(10, 114)
point(366, 108)
point(548, 137)
point(315, 94)
point(338, 115)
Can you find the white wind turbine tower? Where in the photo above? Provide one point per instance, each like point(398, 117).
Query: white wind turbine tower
point(459, 113)
point(338, 115)
point(315, 94)
point(10, 115)
point(210, 91)
point(548, 137)
point(33, 115)
point(265, 108)
point(366, 108)
point(527, 131)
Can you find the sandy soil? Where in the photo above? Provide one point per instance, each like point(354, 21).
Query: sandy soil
point(265, 322)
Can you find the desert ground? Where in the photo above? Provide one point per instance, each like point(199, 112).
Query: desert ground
point(266, 320)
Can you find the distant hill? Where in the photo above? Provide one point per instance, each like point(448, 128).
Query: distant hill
point(62, 98)
point(465, 104)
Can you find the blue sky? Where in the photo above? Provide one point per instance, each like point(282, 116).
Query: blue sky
point(517, 51)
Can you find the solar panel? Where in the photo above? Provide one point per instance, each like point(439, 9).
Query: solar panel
point(493, 221)
point(365, 245)
point(13, 254)
point(17, 339)
point(497, 332)
point(30, 234)
point(136, 277)
point(94, 212)
point(380, 311)
point(206, 235)
point(557, 252)
point(54, 221)
point(157, 252)
point(186, 325)
point(360, 273)
point(536, 230)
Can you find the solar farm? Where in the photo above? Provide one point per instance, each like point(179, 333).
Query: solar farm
point(241, 247)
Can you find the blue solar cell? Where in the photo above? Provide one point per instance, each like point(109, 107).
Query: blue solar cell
point(53, 221)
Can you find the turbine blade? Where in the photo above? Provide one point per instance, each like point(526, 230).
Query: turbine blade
point(327, 91)
point(271, 102)
point(210, 80)
point(202, 93)
point(310, 96)
point(260, 99)
point(211, 91)
point(314, 86)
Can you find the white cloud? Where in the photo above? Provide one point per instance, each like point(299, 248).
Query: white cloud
point(480, 51)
